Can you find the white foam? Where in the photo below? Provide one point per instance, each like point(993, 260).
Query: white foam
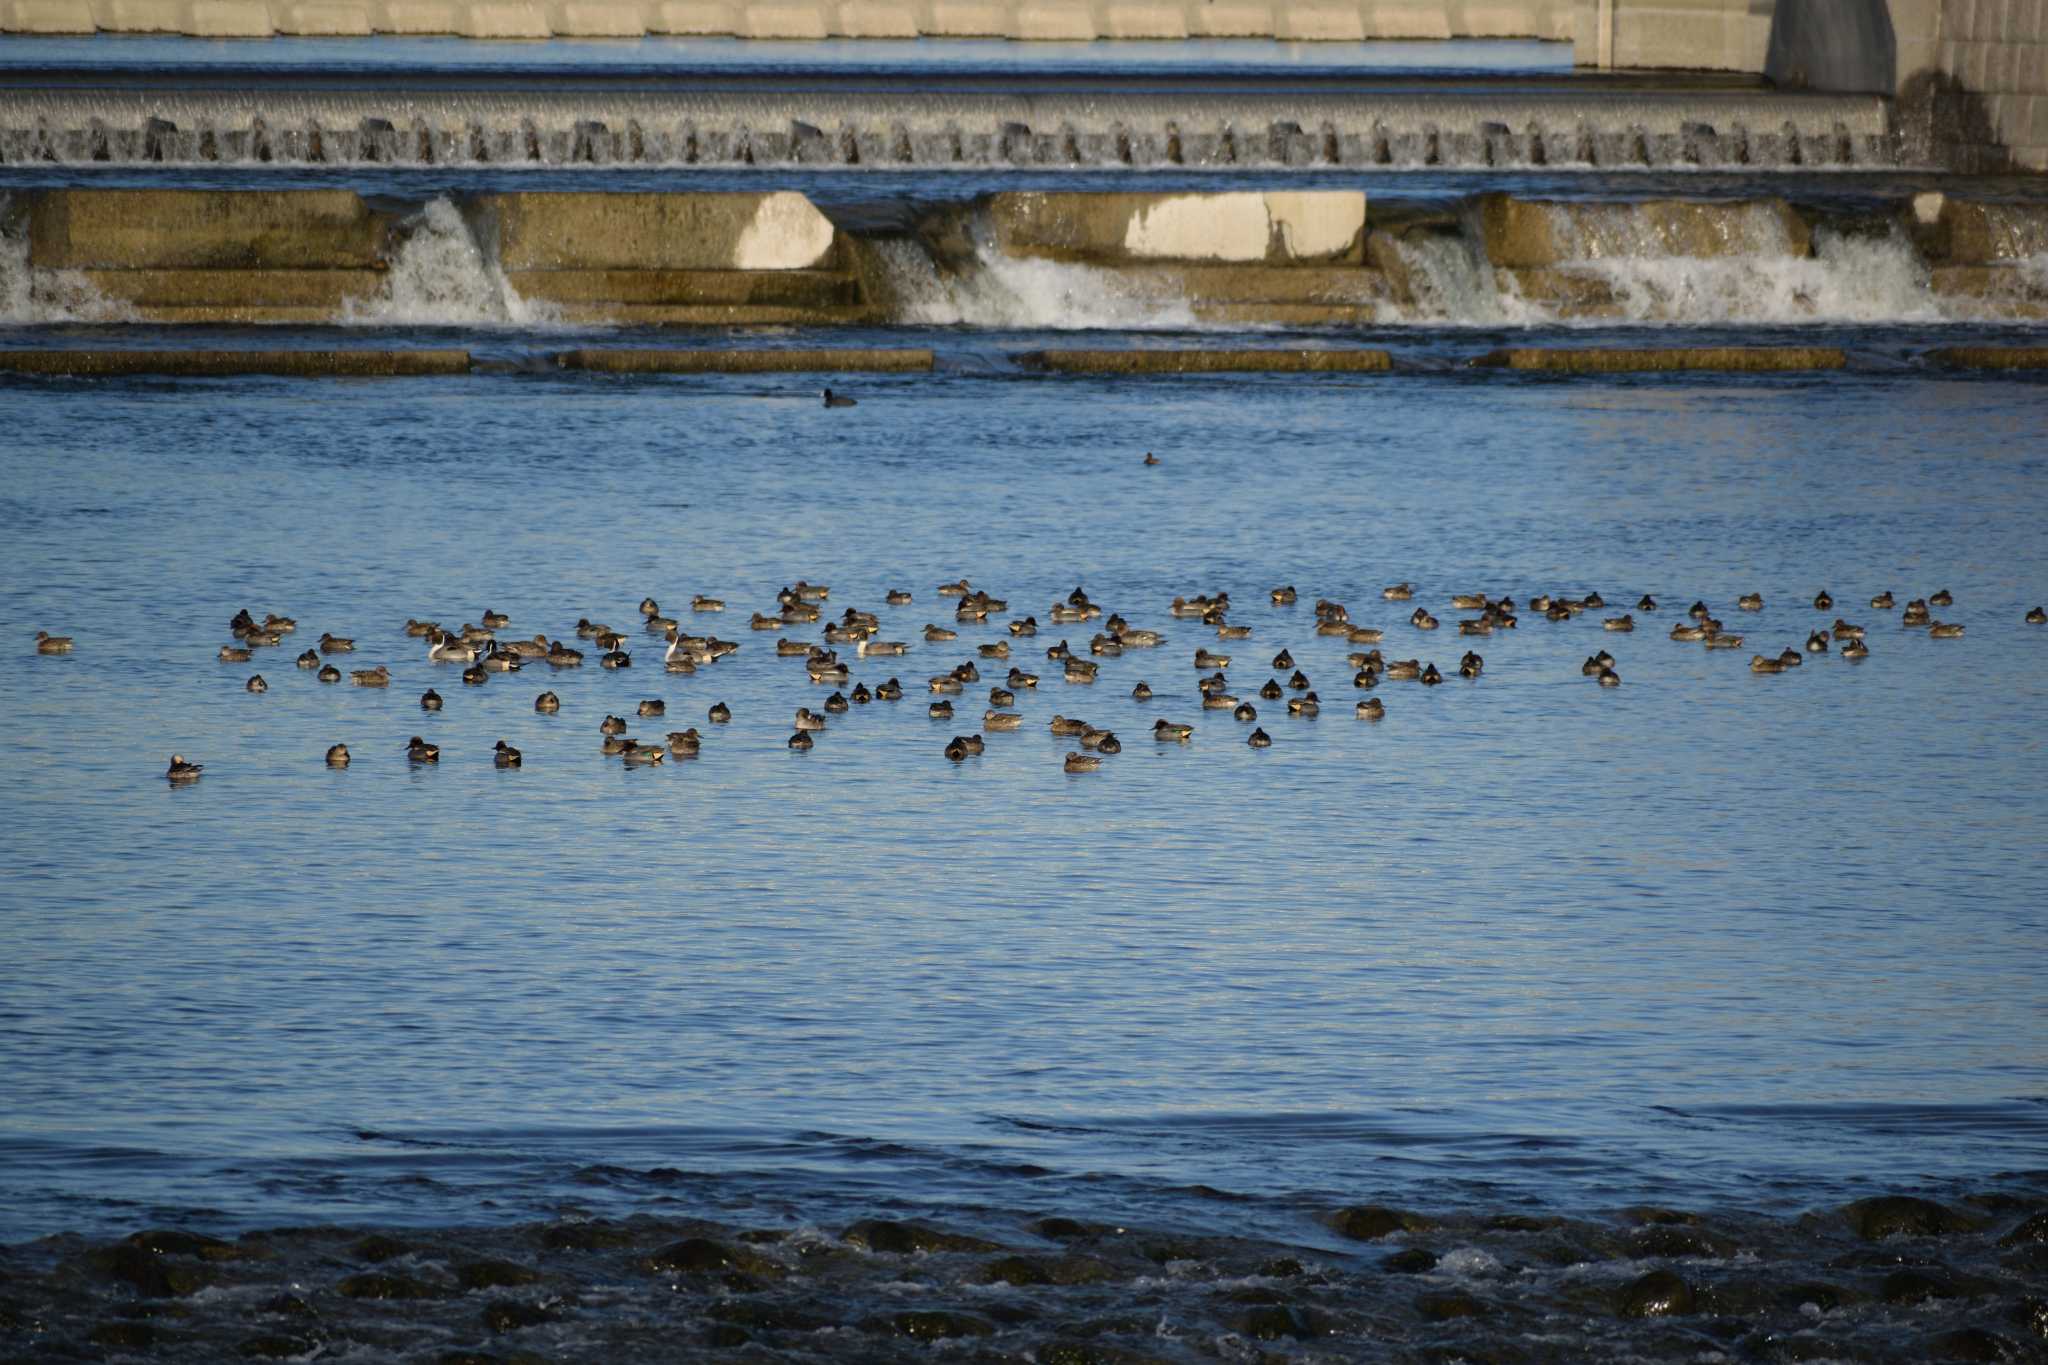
point(32, 296)
point(441, 277)
point(998, 291)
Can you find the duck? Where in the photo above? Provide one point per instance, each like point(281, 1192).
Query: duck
point(536, 648)
point(1422, 620)
point(47, 643)
point(612, 725)
point(1139, 638)
point(1149, 460)
point(946, 683)
point(1402, 670)
point(806, 719)
point(1000, 649)
point(547, 703)
point(1167, 731)
point(1817, 642)
point(1365, 678)
point(505, 756)
point(1081, 763)
point(1259, 739)
point(1245, 713)
point(419, 751)
point(561, 656)
point(657, 625)
point(615, 658)
point(1468, 601)
point(839, 400)
point(1750, 601)
point(1592, 601)
point(328, 674)
point(1226, 631)
point(1400, 592)
point(1945, 630)
point(1216, 699)
point(653, 706)
point(430, 700)
point(836, 704)
point(1372, 708)
point(645, 755)
point(1306, 705)
point(703, 603)
point(256, 684)
point(685, 743)
point(1722, 640)
point(898, 597)
point(419, 628)
point(956, 749)
point(677, 658)
point(476, 675)
point(893, 690)
point(233, 654)
point(934, 635)
point(1430, 677)
point(279, 625)
point(1842, 630)
point(1698, 611)
point(380, 676)
point(1283, 660)
point(1001, 697)
point(1791, 658)
point(1081, 671)
point(1646, 603)
point(181, 771)
point(444, 648)
point(1944, 598)
point(1142, 692)
point(1105, 742)
point(1822, 601)
point(2038, 617)
point(1299, 682)
point(337, 756)
point(993, 720)
point(588, 629)
point(1619, 623)
point(1284, 597)
point(861, 696)
point(1685, 632)
point(498, 620)
point(1481, 626)
point(940, 710)
point(614, 745)
point(1205, 658)
point(1021, 681)
point(958, 588)
point(1916, 614)
point(310, 659)
point(1855, 649)
point(1471, 666)
point(1883, 601)
point(1591, 668)
point(1759, 664)
point(1364, 635)
point(1608, 678)
point(336, 644)
point(1270, 690)
point(1062, 725)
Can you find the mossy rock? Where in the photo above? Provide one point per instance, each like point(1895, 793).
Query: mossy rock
point(1062, 1230)
point(1899, 1215)
point(1659, 1294)
point(376, 1284)
point(1370, 1222)
point(903, 1239)
point(702, 1256)
point(1975, 1344)
point(1679, 1240)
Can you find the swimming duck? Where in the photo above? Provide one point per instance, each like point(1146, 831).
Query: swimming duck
point(1646, 603)
point(1817, 642)
point(960, 588)
point(1620, 623)
point(1592, 601)
point(256, 684)
point(430, 700)
point(1915, 614)
point(792, 649)
point(1061, 725)
point(1402, 670)
point(956, 749)
point(685, 743)
point(940, 710)
point(946, 683)
point(612, 725)
point(1698, 611)
point(1422, 620)
point(1944, 598)
point(230, 654)
point(1883, 601)
point(547, 703)
point(1365, 677)
point(637, 754)
point(939, 634)
point(1245, 713)
point(336, 644)
point(380, 676)
point(893, 690)
point(703, 603)
point(1000, 649)
point(328, 674)
point(1217, 700)
point(1167, 731)
point(1283, 660)
point(1855, 649)
point(1001, 696)
point(476, 675)
point(505, 756)
point(1759, 664)
point(1230, 632)
point(2038, 617)
point(419, 751)
point(1591, 668)
point(898, 597)
point(1106, 743)
point(1400, 592)
point(1609, 678)
point(1081, 671)
point(1299, 682)
point(1685, 632)
point(1372, 708)
point(1021, 680)
point(614, 745)
point(1482, 626)
point(1722, 640)
point(1001, 720)
point(1468, 601)
point(181, 771)
point(589, 630)
point(284, 625)
point(807, 719)
point(1822, 601)
point(678, 658)
point(419, 628)
point(1750, 601)
point(309, 659)
point(1270, 690)
point(1207, 659)
point(1471, 666)
point(1844, 631)
point(1259, 739)
point(1284, 597)
point(1081, 763)
point(1791, 658)
point(861, 696)
point(337, 756)
point(760, 622)
point(1308, 704)
point(1149, 460)
point(443, 648)
point(498, 662)
point(1945, 630)
point(616, 658)
point(836, 704)
point(561, 656)
point(1137, 638)
point(657, 625)
point(1142, 692)
point(1430, 677)
point(498, 620)
point(654, 706)
point(1364, 635)
point(839, 400)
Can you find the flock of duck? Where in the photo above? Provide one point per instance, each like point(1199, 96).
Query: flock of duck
point(481, 652)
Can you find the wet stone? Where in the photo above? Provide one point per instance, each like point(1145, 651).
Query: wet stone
point(1826, 1297)
point(1974, 1343)
point(276, 1347)
point(1898, 1215)
point(762, 1316)
point(931, 1325)
point(378, 1285)
point(148, 1273)
point(287, 1306)
point(124, 1336)
point(724, 1336)
point(1449, 1307)
point(1016, 1270)
point(1917, 1286)
point(903, 1239)
point(586, 1237)
point(1676, 1240)
point(1274, 1322)
point(1061, 1229)
point(1370, 1222)
point(377, 1248)
point(2032, 1232)
point(1282, 1268)
point(177, 1242)
point(510, 1315)
point(1661, 1293)
point(474, 1275)
point(1413, 1261)
point(1088, 1353)
point(2032, 1317)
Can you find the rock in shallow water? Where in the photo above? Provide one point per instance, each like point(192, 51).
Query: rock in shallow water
point(1661, 1293)
point(1899, 1215)
point(1370, 1222)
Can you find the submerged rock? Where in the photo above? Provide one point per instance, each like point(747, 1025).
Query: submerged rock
point(1661, 1293)
point(902, 1239)
point(1899, 1215)
point(1370, 1222)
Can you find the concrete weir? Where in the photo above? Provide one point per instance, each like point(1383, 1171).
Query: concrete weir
point(1240, 360)
point(1636, 359)
point(308, 364)
point(731, 360)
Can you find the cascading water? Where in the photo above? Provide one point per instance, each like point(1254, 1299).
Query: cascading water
point(29, 295)
point(992, 290)
point(441, 277)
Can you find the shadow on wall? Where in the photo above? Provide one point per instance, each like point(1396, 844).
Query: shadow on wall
point(1841, 46)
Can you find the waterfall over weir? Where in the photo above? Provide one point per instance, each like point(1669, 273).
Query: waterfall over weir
point(1604, 129)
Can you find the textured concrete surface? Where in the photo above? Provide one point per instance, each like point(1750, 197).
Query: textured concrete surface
point(1272, 227)
point(1218, 361)
point(655, 232)
point(1991, 357)
point(729, 360)
point(339, 364)
point(1620, 360)
point(204, 230)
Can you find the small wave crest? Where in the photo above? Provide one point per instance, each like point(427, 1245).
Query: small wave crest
point(998, 291)
point(442, 277)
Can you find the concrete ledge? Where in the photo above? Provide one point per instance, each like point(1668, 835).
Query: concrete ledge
point(1235, 361)
point(686, 231)
point(1275, 227)
point(204, 230)
point(851, 360)
point(1990, 357)
point(311, 364)
point(1622, 360)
